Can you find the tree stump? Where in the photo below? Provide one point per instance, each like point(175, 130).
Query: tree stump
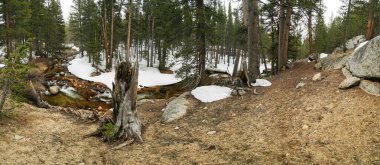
point(124, 96)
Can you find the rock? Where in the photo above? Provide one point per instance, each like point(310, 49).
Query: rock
point(334, 61)
point(349, 82)
point(346, 72)
point(317, 77)
point(305, 127)
point(355, 41)
point(318, 65)
point(235, 92)
point(365, 61)
point(62, 73)
point(211, 133)
point(54, 90)
point(100, 108)
point(300, 85)
point(370, 87)
point(18, 137)
point(176, 128)
point(175, 109)
point(308, 109)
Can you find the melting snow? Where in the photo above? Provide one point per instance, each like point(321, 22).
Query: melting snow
point(323, 55)
point(147, 76)
point(262, 83)
point(211, 93)
point(2, 65)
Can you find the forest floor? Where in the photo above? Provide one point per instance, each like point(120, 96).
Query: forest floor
point(316, 124)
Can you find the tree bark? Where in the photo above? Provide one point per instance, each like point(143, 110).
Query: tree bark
point(346, 30)
point(281, 38)
point(371, 19)
point(124, 96)
point(253, 41)
point(201, 38)
point(310, 30)
point(128, 56)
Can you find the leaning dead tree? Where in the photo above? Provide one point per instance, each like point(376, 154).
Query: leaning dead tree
point(124, 96)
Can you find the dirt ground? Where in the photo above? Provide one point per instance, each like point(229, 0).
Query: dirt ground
point(317, 124)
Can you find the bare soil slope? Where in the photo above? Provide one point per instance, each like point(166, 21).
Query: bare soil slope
point(317, 124)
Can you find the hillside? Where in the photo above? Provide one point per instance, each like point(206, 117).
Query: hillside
point(316, 124)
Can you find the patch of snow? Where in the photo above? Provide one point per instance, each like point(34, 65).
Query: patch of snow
point(2, 65)
point(323, 55)
point(211, 93)
point(147, 76)
point(361, 45)
point(75, 48)
point(262, 83)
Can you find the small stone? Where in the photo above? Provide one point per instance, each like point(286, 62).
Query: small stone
point(211, 133)
point(62, 73)
point(305, 127)
point(54, 90)
point(205, 108)
point(300, 85)
point(176, 128)
point(317, 77)
point(349, 82)
point(100, 108)
point(233, 115)
point(18, 137)
point(308, 109)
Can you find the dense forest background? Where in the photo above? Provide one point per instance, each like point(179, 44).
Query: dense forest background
point(195, 32)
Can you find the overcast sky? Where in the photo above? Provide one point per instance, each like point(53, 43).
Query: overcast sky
point(332, 8)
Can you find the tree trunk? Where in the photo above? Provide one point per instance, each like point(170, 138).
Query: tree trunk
point(128, 57)
point(151, 43)
point(236, 66)
point(347, 29)
point(371, 19)
point(253, 41)
point(310, 30)
point(7, 37)
point(281, 38)
point(286, 33)
point(201, 38)
point(112, 36)
point(124, 96)
point(105, 35)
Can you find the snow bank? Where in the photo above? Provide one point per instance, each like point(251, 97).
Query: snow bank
point(147, 76)
point(360, 45)
point(211, 93)
point(323, 55)
point(2, 65)
point(262, 83)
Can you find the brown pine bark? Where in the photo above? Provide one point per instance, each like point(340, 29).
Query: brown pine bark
point(281, 38)
point(371, 19)
point(253, 41)
point(105, 35)
point(310, 30)
point(112, 37)
point(286, 32)
point(128, 56)
point(201, 38)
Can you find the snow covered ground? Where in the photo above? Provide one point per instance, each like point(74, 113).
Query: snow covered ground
point(147, 76)
point(2, 65)
point(211, 93)
point(323, 55)
point(360, 45)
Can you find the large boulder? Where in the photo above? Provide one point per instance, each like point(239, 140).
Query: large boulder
point(355, 41)
point(365, 61)
point(370, 87)
point(175, 109)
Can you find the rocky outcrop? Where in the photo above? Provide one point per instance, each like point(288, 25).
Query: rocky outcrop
point(333, 61)
point(365, 62)
point(175, 109)
point(370, 87)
